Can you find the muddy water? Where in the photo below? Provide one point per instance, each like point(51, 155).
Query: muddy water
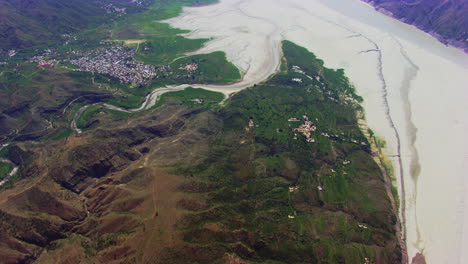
point(413, 88)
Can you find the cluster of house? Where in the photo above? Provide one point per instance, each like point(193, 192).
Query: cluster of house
point(197, 101)
point(293, 189)
point(9, 53)
point(12, 53)
point(190, 68)
point(116, 61)
point(110, 9)
point(166, 70)
point(298, 69)
point(163, 70)
point(345, 98)
point(306, 129)
point(68, 38)
point(298, 80)
point(46, 59)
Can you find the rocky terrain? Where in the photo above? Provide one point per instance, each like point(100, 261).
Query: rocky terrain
point(282, 172)
point(191, 182)
point(446, 20)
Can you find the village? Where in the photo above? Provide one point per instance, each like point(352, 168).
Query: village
point(308, 127)
point(116, 61)
point(47, 58)
point(183, 71)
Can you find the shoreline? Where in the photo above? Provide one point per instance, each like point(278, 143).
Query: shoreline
point(379, 157)
point(393, 66)
point(443, 40)
point(152, 98)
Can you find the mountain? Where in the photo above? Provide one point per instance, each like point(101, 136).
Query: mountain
point(285, 171)
point(25, 23)
point(446, 20)
point(281, 172)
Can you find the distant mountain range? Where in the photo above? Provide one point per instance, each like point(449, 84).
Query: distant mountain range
point(446, 20)
point(25, 23)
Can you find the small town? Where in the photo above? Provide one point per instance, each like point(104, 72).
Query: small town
point(116, 61)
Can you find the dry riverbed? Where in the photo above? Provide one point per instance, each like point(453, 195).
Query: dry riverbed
point(411, 84)
point(412, 87)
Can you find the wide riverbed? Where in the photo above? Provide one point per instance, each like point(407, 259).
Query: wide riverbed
point(415, 91)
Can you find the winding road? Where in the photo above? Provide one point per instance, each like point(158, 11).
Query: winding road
point(411, 84)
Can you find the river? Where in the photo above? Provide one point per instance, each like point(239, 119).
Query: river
point(413, 89)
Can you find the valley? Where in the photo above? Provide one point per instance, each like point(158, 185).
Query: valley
point(215, 134)
point(212, 183)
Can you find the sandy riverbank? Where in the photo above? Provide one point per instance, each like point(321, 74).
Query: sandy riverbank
point(413, 88)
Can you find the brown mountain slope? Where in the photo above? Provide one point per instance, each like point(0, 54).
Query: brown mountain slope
point(199, 183)
point(105, 210)
point(447, 20)
point(133, 210)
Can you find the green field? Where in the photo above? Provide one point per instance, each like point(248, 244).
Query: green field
point(5, 168)
point(250, 167)
point(89, 113)
point(266, 193)
point(39, 92)
point(189, 95)
point(212, 68)
point(162, 44)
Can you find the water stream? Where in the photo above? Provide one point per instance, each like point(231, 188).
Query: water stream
point(412, 85)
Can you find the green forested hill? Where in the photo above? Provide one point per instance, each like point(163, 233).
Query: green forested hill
point(280, 173)
point(25, 23)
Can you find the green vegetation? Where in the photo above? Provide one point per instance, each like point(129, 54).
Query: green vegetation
point(5, 168)
point(127, 100)
point(31, 98)
point(40, 93)
point(337, 211)
point(44, 22)
point(212, 68)
point(161, 43)
point(3, 152)
point(59, 134)
point(158, 44)
point(87, 115)
point(273, 193)
point(165, 49)
point(193, 97)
